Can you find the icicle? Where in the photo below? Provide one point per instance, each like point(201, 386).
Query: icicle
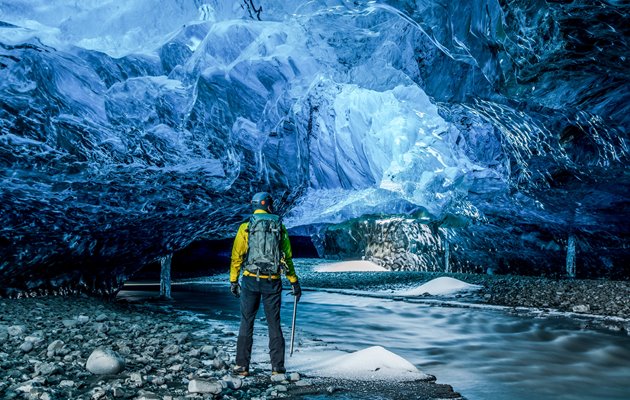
point(165, 276)
point(571, 256)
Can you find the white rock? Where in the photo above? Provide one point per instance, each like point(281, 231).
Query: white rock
point(101, 318)
point(101, 327)
point(581, 308)
point(171, 349)
point(36, 340)
point(294, 377)
point(218, 363)
point(82, 319)
point(70, 323)
point(278, 378)
point(26, 388)
point(54, 346)
point(16, 330)
point(176, 367)
point(202, 386)
point(105, 361)
point(136, 378)
point(209, 350)
point(232, 382)
point(181, 337)
point(281, 388)
point(45, 369)
point(66, 383)
point(26, 347)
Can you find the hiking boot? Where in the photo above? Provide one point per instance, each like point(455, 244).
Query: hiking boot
point(242, 371)
point(278, 371)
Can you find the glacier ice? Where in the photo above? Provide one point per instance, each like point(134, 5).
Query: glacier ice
point(128, 131)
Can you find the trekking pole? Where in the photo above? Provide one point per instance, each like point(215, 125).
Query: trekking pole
point(293, 325)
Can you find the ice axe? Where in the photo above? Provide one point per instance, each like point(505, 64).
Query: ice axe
point(295, 301)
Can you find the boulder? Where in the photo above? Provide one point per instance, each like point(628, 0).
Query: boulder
point(105, 362)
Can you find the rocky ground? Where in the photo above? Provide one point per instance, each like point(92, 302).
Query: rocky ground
point(83, 348)
point(597, 297)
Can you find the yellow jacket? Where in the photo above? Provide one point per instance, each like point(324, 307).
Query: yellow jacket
point(239, 251)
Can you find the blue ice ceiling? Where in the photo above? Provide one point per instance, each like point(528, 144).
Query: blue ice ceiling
point(130, 130)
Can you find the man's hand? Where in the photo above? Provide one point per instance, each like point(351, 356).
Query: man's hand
point(296, 290)
point(235, 288)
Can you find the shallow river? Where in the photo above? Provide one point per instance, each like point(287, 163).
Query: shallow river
point(482, 353)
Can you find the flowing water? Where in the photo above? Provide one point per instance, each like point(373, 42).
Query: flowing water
point(484, 353)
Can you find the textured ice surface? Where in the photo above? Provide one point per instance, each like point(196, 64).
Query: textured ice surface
point(128, 131)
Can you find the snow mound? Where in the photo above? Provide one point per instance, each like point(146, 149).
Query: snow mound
point(350, 266)
point(373, 363)
point(440, 286)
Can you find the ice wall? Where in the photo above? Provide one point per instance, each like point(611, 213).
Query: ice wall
point(128, 131)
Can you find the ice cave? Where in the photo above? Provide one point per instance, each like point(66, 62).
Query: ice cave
point(464, 139)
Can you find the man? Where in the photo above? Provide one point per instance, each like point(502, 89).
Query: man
point(262, 249)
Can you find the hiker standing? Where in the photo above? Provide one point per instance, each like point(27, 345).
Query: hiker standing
point(262, 249)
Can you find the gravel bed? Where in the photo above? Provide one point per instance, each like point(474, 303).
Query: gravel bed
point(83, 348)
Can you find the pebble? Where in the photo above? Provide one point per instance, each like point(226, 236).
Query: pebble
point(136, 378)
point(278, 378)
point(105, 362)
point(209, 350)
point(36, 340)
point(171, 349)
point(26, 347)
point(54, 347)
point(70, 323)
point(181, 337)
point(232, 382)
point(16, 330)
point(218, 363)
point(581, 308)
point(46, 369)
point(101, 318)
point(281, 388)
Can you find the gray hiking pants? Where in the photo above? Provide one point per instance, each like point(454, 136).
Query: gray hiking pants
point(252, 291)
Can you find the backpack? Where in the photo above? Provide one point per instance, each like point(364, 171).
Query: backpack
point(263, 254)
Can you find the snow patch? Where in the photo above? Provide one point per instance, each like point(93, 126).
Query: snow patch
point(372, 363)
point(350, 266)
point(440, 286)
